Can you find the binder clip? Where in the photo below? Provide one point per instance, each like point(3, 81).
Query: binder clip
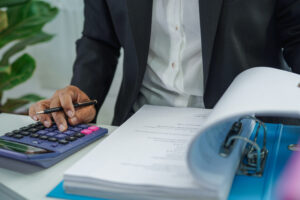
point(253, 157)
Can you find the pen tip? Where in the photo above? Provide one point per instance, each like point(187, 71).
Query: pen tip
point(40, 112)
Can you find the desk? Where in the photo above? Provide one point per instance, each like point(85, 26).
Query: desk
point(28, 181)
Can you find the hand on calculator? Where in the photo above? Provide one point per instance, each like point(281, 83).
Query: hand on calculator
point(65, 98)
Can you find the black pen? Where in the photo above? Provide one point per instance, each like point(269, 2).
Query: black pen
point(76, 105)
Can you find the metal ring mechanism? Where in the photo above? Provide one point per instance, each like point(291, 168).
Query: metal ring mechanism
point(253, 157)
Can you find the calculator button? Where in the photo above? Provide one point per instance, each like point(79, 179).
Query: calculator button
point(83, 126)
point(34, 135)
point(63, 141)
point(40, 127)
point(31, 125)
point(69, 132)
point(60, 136)
point(79, 135)
point(86, 131)
point(43, 137)
point(24, 128)
point(10, 134)
point(33, 130)
point(52, 139)
point(18, 136)
point(16, 131)
point(25, 133)
point(93, 128)
point(49, 129)
point(51, 134)
point(42, 132)
point(71, 138)
point(76, 129)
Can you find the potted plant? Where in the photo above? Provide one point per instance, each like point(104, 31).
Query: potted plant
point(21, 24)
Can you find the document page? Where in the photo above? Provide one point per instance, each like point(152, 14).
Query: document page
point(148, 149)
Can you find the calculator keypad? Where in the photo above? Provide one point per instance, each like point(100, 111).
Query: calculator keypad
point(39, 134)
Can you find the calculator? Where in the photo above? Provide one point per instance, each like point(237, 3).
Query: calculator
point(38, 145)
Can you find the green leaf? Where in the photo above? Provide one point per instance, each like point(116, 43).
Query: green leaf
point(26, 20)
point(32, 97)
point(21, 70)
point(5, 69)
point(21, 45)
point(3, 20)
point(14, 103)
point(7, 3)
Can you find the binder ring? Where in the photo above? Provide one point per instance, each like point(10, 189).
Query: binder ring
point(254, 155)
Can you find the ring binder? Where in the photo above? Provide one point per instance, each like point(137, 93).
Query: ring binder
point(254, 157)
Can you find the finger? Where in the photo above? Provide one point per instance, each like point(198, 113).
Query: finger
point(67, 103)
point(59, 117)
point(83, 115)
point(44, 118)
point(32, 112)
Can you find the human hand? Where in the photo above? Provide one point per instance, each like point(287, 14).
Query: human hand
point(65, 98)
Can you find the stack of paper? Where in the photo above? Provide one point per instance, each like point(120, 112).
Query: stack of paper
point(144, 159)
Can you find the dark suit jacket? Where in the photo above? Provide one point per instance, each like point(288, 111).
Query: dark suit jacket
point(236, 35)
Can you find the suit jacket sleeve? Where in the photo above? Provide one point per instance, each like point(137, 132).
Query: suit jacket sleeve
point(288, 17)
point(97, 52)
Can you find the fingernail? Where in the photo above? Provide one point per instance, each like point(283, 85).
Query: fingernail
point(70, 113)
point(35, 118)
point(46, 123)
point(61, 127)
point(74, 120)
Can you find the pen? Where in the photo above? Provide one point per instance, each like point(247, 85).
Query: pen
point(76, 105)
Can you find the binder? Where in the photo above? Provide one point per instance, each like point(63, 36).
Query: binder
point(279, 137)
point(220, 147)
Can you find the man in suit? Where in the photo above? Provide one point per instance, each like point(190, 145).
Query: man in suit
point(176, 52)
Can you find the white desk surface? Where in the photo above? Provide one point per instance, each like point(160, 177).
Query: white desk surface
point(29, 181)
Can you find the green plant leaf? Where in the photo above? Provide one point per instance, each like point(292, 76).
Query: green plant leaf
point(21, 45)
point(26, 20)
point(7, 3)
point(21, 70)
point(5, 69)
point(32, 97)
point(14, 103)
point(3, 20)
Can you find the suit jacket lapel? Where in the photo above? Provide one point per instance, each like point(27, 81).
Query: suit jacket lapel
point(140, 17)
point(209, 17)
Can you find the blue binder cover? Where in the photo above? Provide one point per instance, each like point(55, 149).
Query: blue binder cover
point(278, 138)
point(245, 187)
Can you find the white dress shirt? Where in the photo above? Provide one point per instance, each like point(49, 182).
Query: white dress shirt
point(174, 73)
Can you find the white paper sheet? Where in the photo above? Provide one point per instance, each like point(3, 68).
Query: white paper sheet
point(149, 146)
point(149, 149)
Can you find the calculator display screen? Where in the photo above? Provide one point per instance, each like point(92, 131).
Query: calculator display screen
point(22, 148)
